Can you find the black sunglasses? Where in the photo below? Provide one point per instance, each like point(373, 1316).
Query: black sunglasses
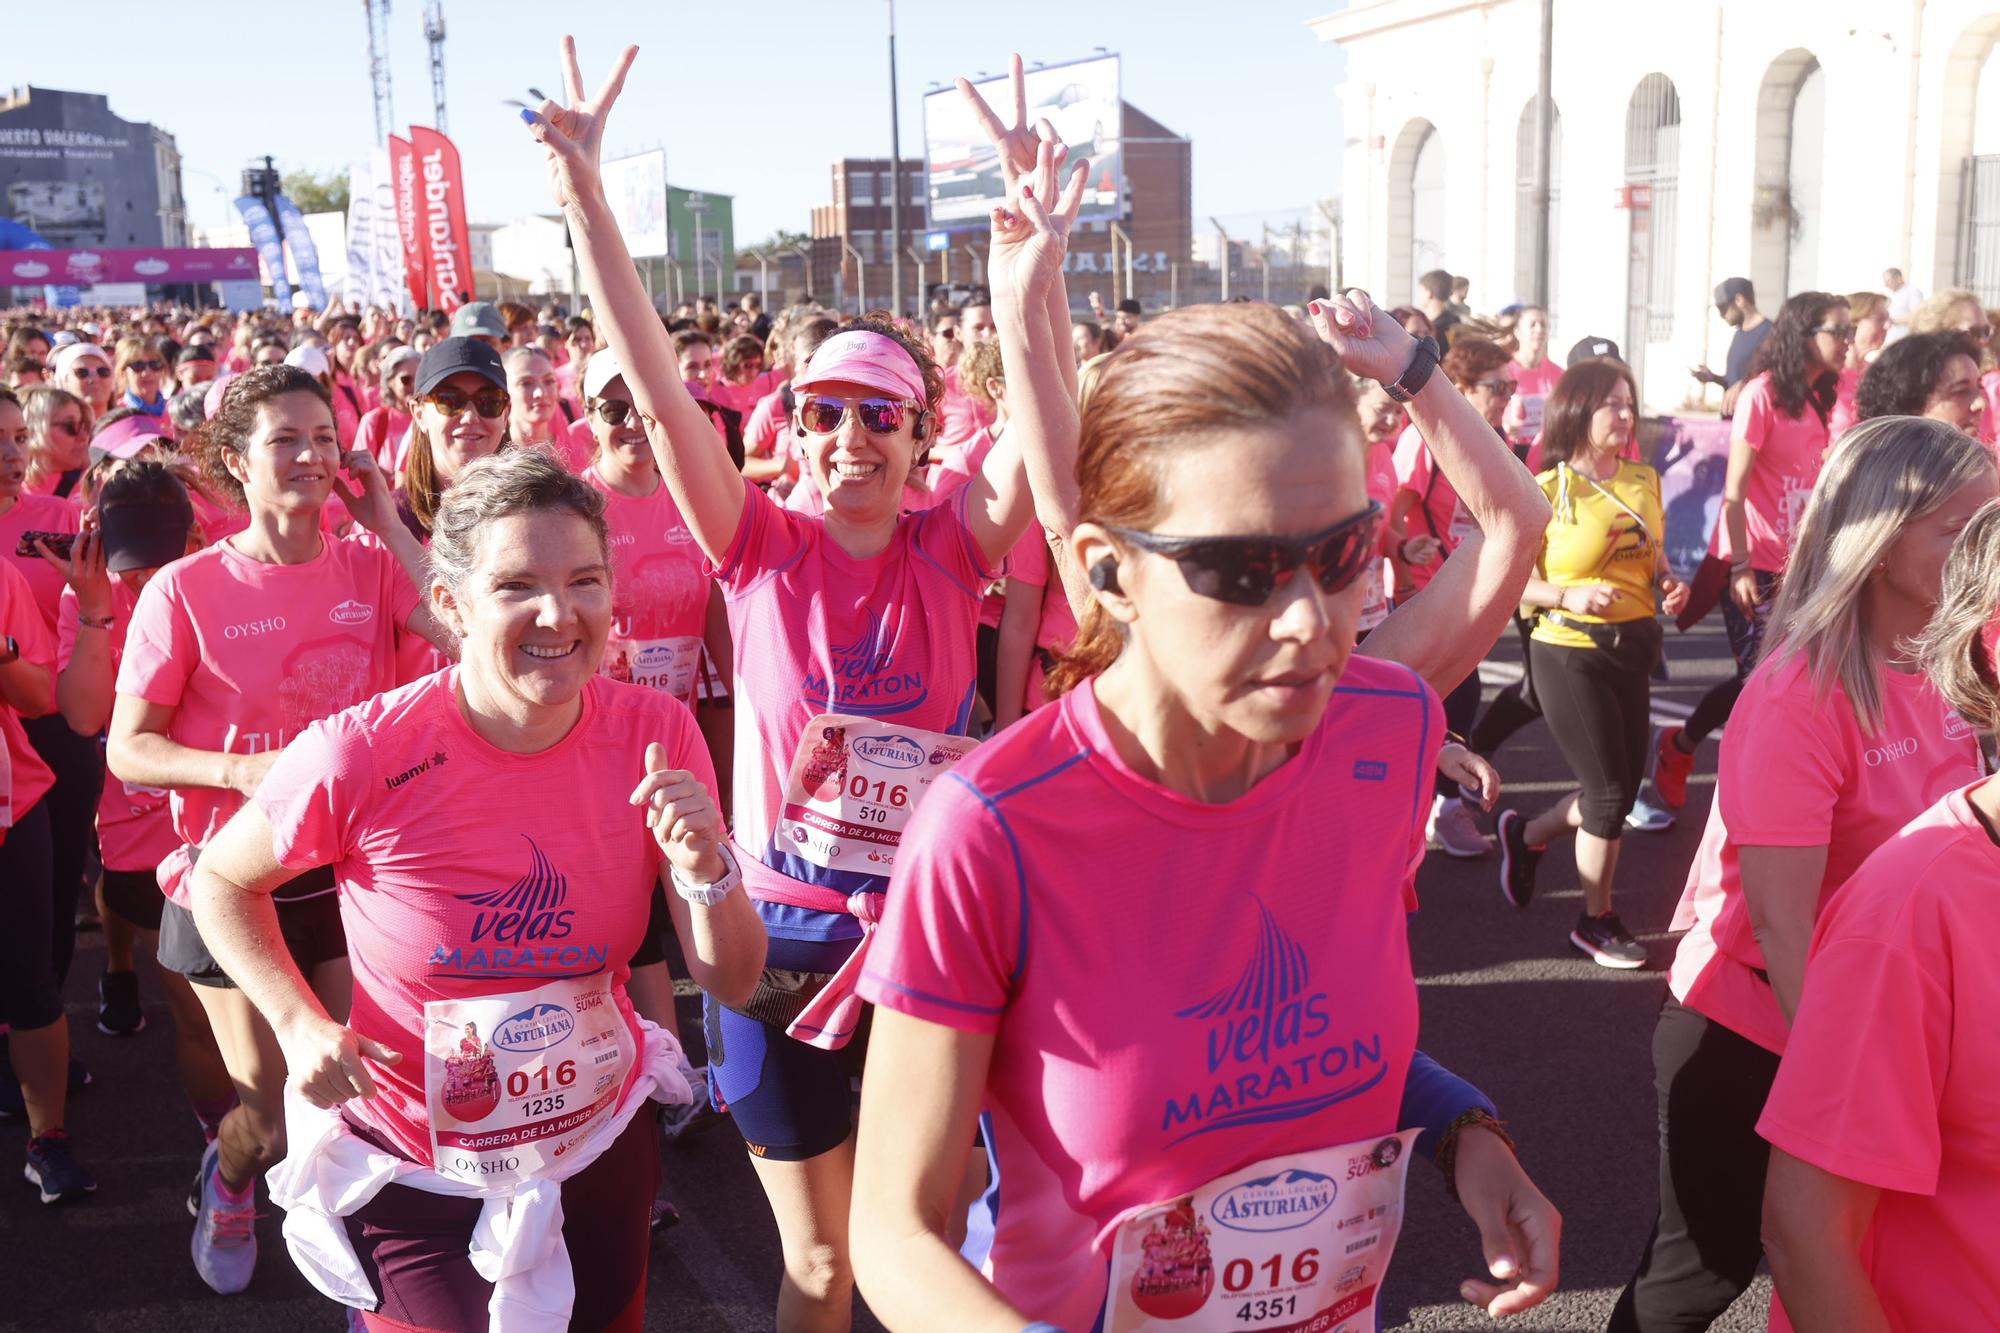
point(1245, 571)
point(489, 403)
point(147, 364)
point(612, 411)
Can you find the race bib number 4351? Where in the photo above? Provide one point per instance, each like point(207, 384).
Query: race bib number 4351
point(1296, 1244)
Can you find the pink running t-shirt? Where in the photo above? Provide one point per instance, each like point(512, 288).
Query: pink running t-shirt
point(250, 654)
point(960, 416)
point(1845, 410)
point(135, 830)
point(465, 870)
point(1790, 453)
point(767, 431)
point(1437, 512)
point(1892, 1077)
point(39, 513)
point(24, 779)
point(888, 637)
point(742, 398)
point(1532, 388)
point(1797, 771)
point(1270, 1007)
point(659, 580)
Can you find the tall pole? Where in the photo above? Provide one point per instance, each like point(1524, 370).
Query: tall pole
point(895, 177)
point(1222, 256)
point(1545, 130)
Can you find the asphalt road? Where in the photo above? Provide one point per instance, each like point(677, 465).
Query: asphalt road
point(1561, 1044)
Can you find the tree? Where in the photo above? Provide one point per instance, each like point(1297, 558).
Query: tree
point(777, 243)
point(316, 194)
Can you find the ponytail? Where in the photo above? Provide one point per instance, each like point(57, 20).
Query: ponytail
point(1956, 650)
point(1099, 640)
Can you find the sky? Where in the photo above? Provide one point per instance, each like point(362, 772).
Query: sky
point(755, 100)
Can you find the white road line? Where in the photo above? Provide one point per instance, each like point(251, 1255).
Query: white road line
point(1666, 712)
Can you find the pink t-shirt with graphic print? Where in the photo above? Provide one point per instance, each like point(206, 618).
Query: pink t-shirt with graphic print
point(1271, 1009)
point(24, 778)
point(250, 654)
point(1892, 1077)
point(135, 830)
point(888, 637)
point(39, 513)
point(1797, 771)
point(659, 580)
point(1437, 512)
point(466, 870)
point(1790, 453)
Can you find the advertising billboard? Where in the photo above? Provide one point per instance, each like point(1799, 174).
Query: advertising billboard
point(636, 187)
point(1081, 99)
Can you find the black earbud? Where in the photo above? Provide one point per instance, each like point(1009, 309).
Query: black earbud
point(1104, 576)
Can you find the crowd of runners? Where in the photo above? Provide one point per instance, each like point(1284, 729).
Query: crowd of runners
point(417, 696)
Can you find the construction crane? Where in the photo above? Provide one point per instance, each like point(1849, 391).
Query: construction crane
point(434, 34)
point(378, 67)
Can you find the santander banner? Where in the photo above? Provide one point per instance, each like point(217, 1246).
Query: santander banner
point(446, 236)
point(409, 223)
point(21, 268)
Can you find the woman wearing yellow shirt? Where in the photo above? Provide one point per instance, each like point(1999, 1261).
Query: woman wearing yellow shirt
point(1596, 637)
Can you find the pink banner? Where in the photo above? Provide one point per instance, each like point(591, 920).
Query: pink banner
point(26, 268)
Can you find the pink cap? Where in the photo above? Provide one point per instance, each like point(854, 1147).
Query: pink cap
point(125, 437)
point(211, 402)
point(861, 357)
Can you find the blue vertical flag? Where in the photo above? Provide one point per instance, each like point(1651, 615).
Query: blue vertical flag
point(305, 255)
point(264, 235)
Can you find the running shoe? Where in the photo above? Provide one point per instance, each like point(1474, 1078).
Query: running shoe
point(1671, 766)
point(1646, 817)
point(1454, 831)
point(118, 1012)
point(1607, 941)
point(225, 1234)
point(53, 1169)
point(1518, 861)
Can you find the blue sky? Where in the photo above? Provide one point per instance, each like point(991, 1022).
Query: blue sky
point(750, 99)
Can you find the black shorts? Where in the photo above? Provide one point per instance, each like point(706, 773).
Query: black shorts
point(311, 927)
point(658, 923)
point(135, 896)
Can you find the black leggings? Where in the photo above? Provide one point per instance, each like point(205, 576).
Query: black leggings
point(78, 763)
point(30, 995)
point(1461, 707)
point(1514, 707)
point(1598, 702)
point(1746, 642)
point(1705, 1245)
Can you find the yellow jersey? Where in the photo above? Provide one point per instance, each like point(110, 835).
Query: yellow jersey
point(1601, 532)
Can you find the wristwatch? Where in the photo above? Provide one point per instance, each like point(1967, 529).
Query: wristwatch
point(708, 895)
point(1417, 373)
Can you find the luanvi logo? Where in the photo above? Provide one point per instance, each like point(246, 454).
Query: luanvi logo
point(435, 761)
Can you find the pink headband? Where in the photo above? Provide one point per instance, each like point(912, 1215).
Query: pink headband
point(871, 359)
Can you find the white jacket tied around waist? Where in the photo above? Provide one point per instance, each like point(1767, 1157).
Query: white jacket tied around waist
point(330, 1172)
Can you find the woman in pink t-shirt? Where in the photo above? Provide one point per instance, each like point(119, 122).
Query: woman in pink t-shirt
point(383, 427)
point(741, 381)
point(534, 413)
point(1933, 375)
point(1780, 444)
point(493, 1067)
point(1839, 742)
point(230, 653)
point(58, 439)
point(854, 635)
point(1535, 376)
point(1213, 712)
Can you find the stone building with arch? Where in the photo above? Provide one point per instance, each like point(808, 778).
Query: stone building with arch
point(1801, 146)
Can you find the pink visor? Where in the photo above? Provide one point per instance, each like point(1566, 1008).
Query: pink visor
point(870, 359)
point(125, 437)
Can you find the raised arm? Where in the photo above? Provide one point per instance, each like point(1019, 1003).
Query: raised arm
point(694, 462)
point(1443, 632)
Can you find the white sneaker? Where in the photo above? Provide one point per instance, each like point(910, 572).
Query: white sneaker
point(1454, 831)
point(1647, 817)
point(225, 1235)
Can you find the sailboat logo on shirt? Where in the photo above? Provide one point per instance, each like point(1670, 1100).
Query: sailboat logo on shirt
point(522, 930)
point(862, 679)
point(1270, 1044)
point(527, 909)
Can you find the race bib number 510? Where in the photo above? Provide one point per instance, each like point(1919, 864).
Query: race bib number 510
point(1296, 1244)
point(853, 785)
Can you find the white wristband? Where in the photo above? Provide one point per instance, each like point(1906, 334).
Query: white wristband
point(708, 895)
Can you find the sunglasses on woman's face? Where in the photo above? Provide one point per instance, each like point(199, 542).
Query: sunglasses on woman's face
point(1841, 332)
point(1245, 571)
point(489, 403)
point(69, 426)
point(92, 372)
point(879, 416)
point(613, 411)
point(143, 366)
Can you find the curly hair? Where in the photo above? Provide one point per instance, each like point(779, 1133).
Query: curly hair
point(1472, 359)
point(230, 430)
point(738, 350)
point(981, 362)
point(1787, 356)
point(1903, 377)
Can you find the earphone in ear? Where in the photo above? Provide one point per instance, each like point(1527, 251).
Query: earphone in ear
point(1104, 576)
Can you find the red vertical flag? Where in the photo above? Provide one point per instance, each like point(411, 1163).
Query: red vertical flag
point(409, 219)
point(446, 237)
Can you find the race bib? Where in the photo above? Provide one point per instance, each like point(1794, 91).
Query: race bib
point(514, 1081)
point(1295, 1244)
point(668, 665)
point(1531, 415)
point(1375, 600)
point(1463, 527)
point(853, 785)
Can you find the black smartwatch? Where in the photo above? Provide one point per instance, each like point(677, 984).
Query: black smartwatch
point(1417, 373)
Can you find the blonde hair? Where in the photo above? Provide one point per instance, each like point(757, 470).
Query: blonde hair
point(1883, 475)
point(1953, 649)
point(1936, 313)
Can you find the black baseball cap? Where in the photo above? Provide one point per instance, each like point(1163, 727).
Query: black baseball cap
point(454, 355)
point(1593, 349)
point(1730, 288)
point(195, 352)
point(145, 536)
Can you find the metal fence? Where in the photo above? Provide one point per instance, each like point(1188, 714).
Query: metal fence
point(1979, 229)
